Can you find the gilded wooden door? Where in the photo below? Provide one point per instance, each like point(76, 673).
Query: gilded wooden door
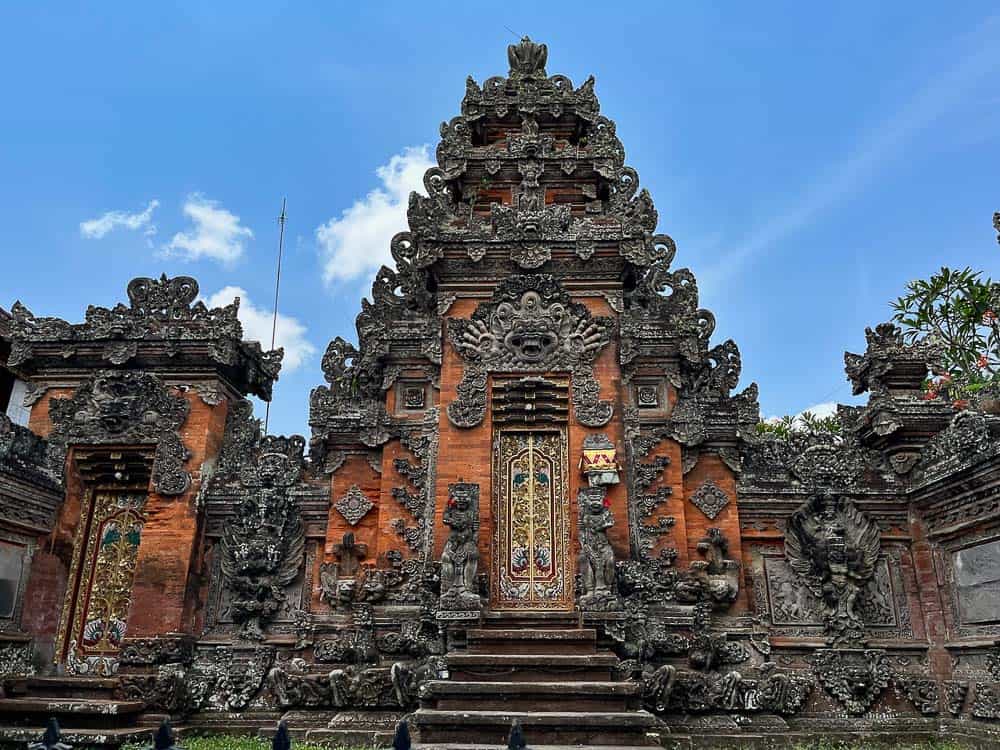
point(103, 568)
point(531, 560)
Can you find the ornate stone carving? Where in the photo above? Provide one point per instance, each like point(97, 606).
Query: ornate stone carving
point(167, 649)
point(715, 579)
point(16, 659)
point(262, 549)
point(530, 325)
point(162, 314)
point(888, 358)
point(833, 547)
point(855, 678)
point(460, 557)
point(921, 692)
point(597, 558)
point(955, 694)
point(354, 505)
point(709, 498)
point(527, 58)
point(125, 407)
point(986, 701)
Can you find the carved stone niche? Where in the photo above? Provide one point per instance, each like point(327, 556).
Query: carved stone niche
point(977, 583)
point(460, 557)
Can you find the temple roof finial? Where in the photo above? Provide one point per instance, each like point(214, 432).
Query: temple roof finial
point(527, 58)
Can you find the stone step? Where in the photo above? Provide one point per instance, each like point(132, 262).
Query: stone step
point(65, 687)
point(527, 696)
point(614, 728)
point(534, 620)
point(531, 641)
point(79, 713)
point(531, 667)
point(19, 736)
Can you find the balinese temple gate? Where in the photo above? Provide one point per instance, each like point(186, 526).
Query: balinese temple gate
point(531, 492)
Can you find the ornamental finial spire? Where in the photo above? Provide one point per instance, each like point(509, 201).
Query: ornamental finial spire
point(527, 58)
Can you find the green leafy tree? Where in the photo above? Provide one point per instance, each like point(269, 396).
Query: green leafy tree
point(958, 310)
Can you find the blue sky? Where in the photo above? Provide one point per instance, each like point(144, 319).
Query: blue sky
point(808, 161)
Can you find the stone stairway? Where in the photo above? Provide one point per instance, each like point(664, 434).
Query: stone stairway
point(85, 707)
point(543, 670)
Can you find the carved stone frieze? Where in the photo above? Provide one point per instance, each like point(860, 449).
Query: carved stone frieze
point(922, 692)
point(163, 314)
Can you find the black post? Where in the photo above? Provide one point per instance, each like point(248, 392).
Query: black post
point(516, 739)
point(52, 739)
point(402, 739)
point(164, 738)
point(282, 740)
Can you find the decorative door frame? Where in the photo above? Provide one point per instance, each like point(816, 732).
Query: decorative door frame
point(101, 578)
point(504, 578)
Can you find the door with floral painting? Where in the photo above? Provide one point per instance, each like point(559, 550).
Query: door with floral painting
point(101, 575)
point(531, 556)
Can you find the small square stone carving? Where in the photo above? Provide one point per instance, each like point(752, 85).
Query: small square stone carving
point(709, 499)
point(414, 396)
point(648, 396)
point(354, 505)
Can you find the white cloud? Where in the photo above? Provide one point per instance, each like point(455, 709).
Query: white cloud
point(825, 409)
point(289, 333)
point(95, 229)
point(216, 233)
point(357, 243)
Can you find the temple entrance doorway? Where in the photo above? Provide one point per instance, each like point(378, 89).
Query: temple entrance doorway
point(531, 562)
point(100, 581)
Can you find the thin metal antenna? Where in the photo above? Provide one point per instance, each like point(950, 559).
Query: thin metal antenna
point(516, 35)
point(277, 286)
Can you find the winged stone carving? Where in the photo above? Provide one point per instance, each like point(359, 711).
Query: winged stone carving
point(833, 547)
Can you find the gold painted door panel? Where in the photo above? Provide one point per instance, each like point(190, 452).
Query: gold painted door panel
point(101, 576)
point(531, 556)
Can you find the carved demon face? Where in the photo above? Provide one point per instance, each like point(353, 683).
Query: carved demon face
point(531, 345)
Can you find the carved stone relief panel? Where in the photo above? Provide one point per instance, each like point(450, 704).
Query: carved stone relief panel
point(794, 610)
